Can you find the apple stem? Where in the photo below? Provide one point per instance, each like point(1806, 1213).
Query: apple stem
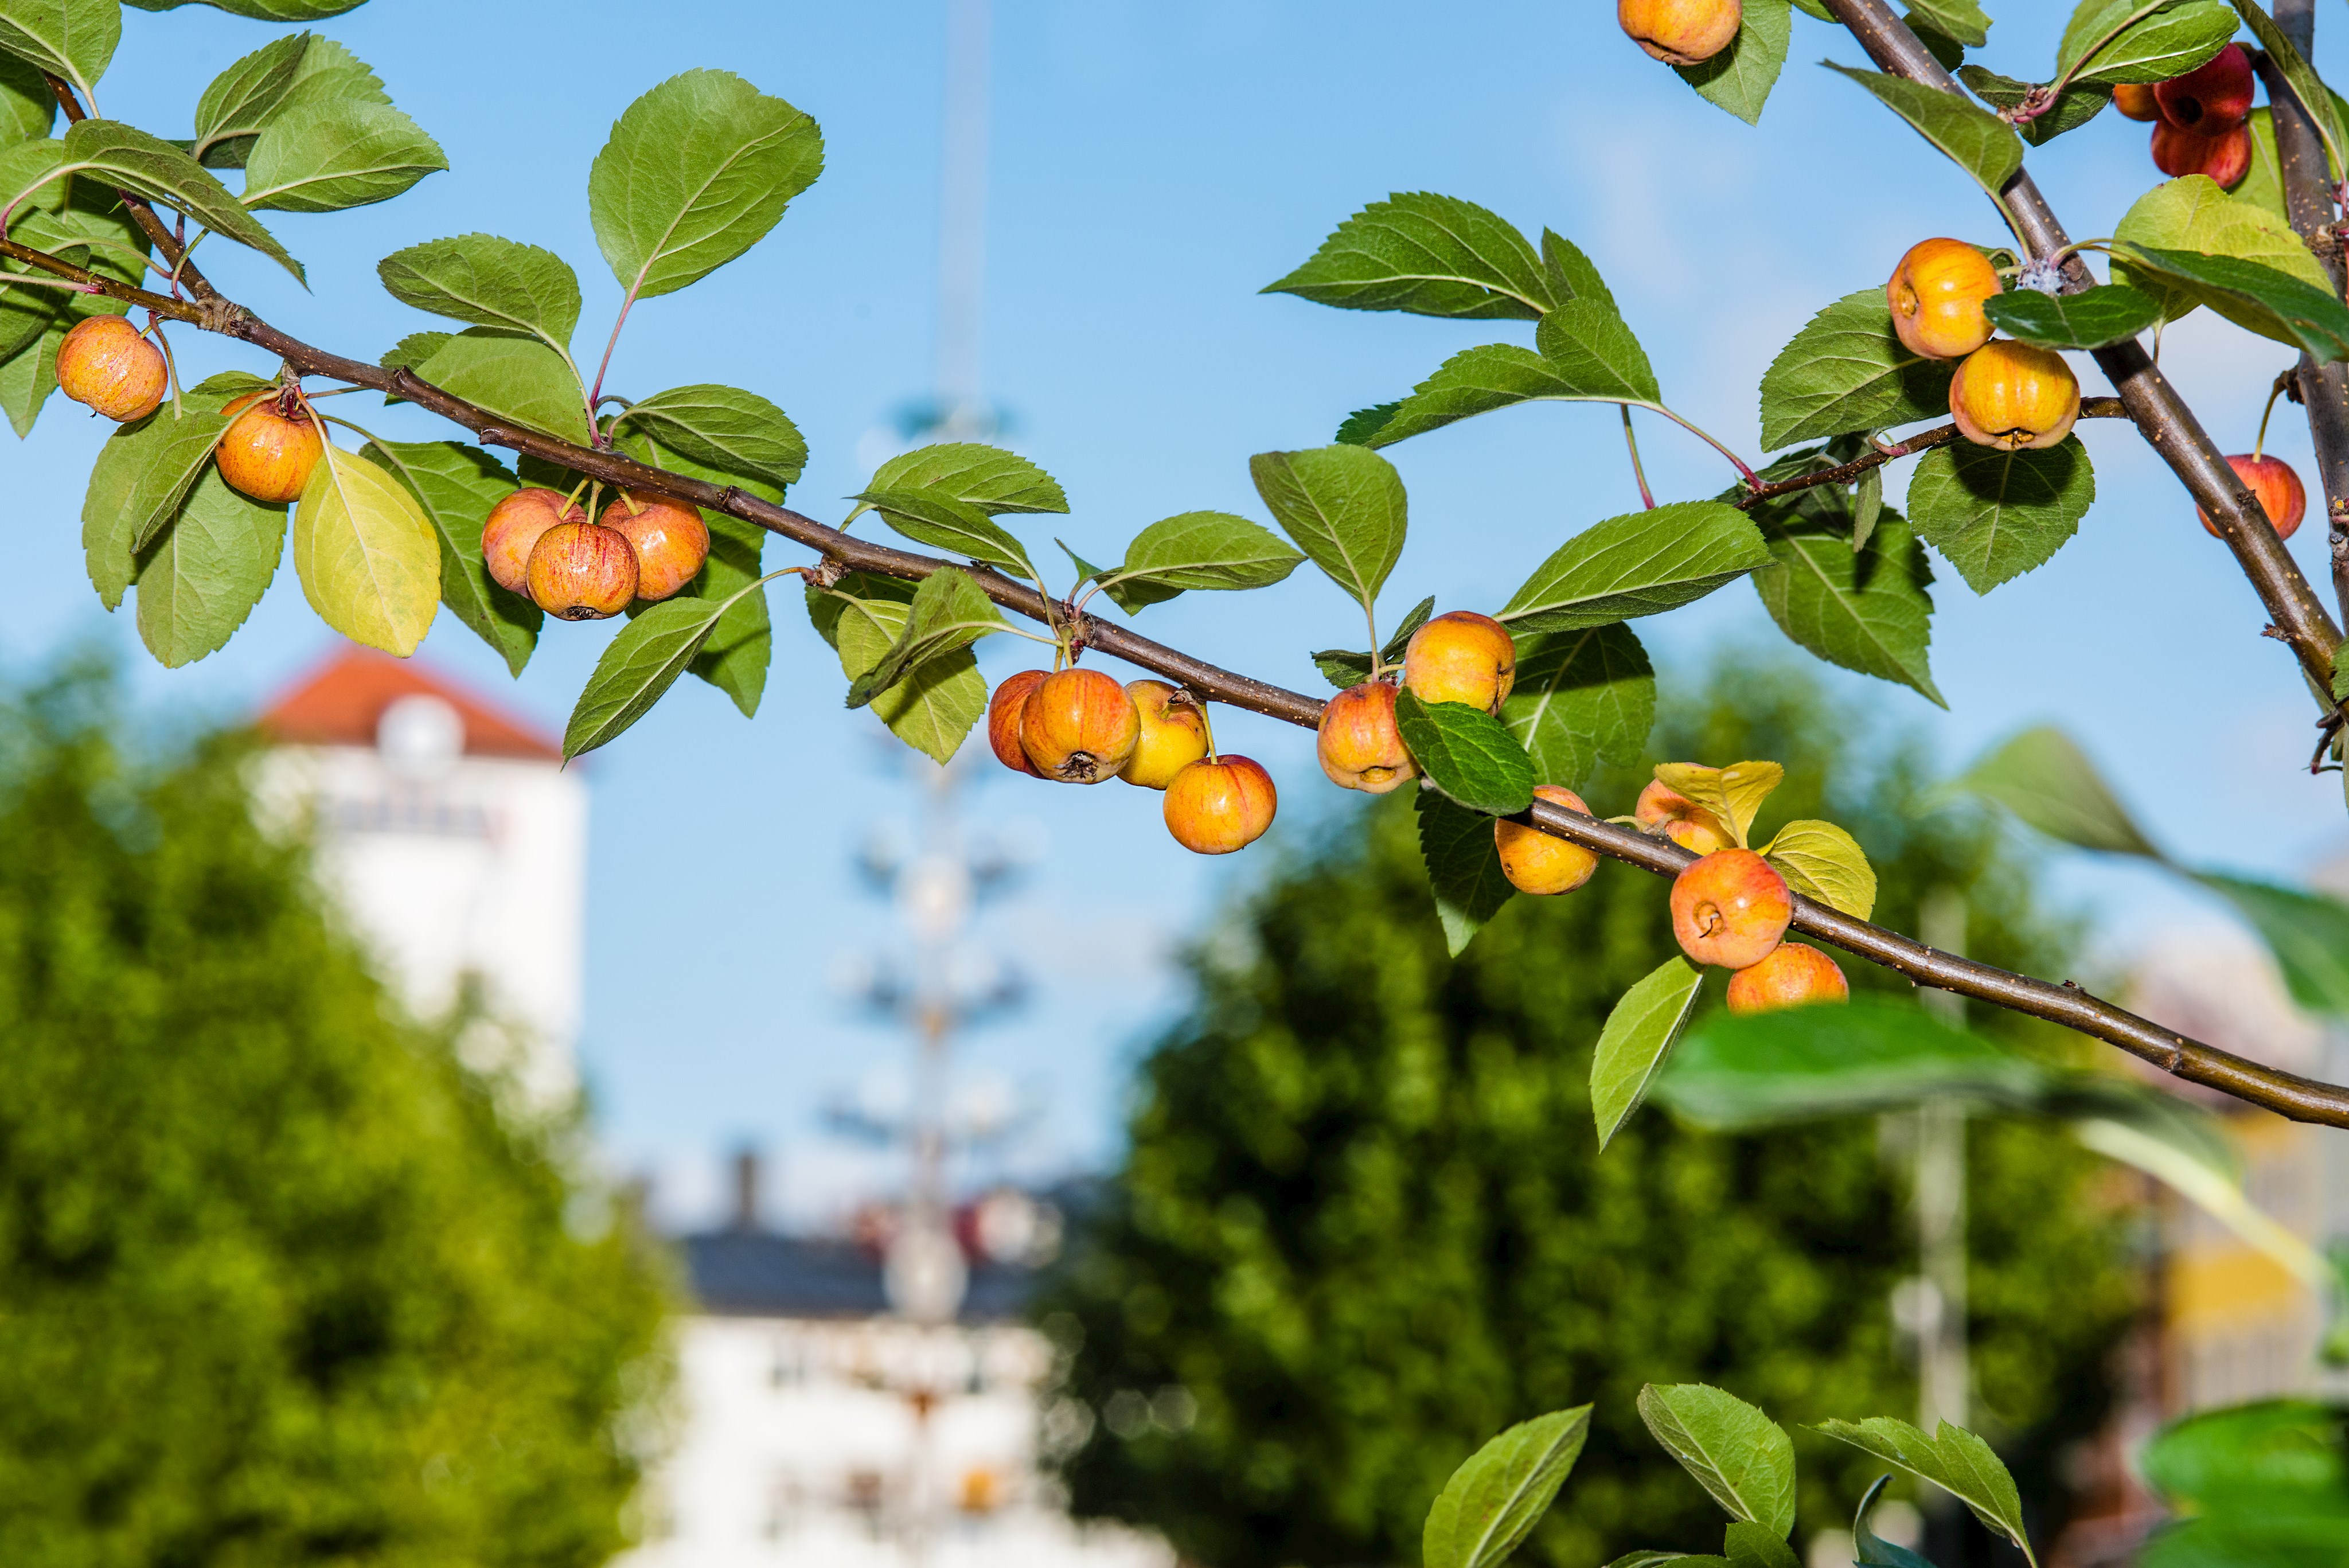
point(1632, 440)
point(2261, 446)
point(1752, 479)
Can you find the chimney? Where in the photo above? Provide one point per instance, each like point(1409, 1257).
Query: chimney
point(746, 1193)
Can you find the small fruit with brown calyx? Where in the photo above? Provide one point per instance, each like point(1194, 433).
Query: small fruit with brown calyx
point(2013, 397)
point(1681, 32)
point(106, 363)
point(512, 530)
point(1793, 975)
point(1937, 293)
point(2136, 101)
point(2225, 155)
point(1537, 862)
point(2215, 96)
point(1218, 804)
point(2280, 493)
point(1174, 734)
point(1730, 909)
point(582, 571)
point(270, 447)
point(1681, 819)
point(1005, 710)
point(671, 541)
point(1358, 742)
point(1079, 727)
point(1462, 656)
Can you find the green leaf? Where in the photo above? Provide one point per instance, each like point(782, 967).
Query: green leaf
point(637, 669)
point(1866, 610)
point(1752, 1546)
point(514, 376)
point(1433, 255)
point(2308, 933)
point(1846, 371)
point(331, 74)
point(949, 613)
point(1962, 20)
point(730, 430)
point(1463, 866)
point(1739, 79)
point(199, 581)
point(489, 282)
point(146, 166)
point(2044, 779)
point(456, 485)
point(1822, 862)
point(261, 10)
point(323, 158)
point(1595, 354)
point(2323, 105)
point(1643, 563)
point(696, 172)
point(1358, 427)
point(1954, 1459)
point(1870, 1550)
point(2092, 318)
point(1344, 669)
point(1581, 698)
point(30, 375)
point(413, 350)
point(2169, 42)
point(735, 658)
point(1638, 1041)
point(1996, 514)
point(2263, 187)
point(144, 470)
point(943, 522)
point(2193, 213)
point(28, 108)
point(1572, 275)
point(2074, 106)
point(2270, 302)
point(70, 38)
point(1740, 1456)
point(2280, 1456)
point(367, 554)
point(1206, 550)
point(1467, 753)
point(1343, 505)
point(1869, 1055)
point(1473, 382)
point(931, 710)
point(1976, 141)
point(241, 99)
point(988, 477)
point(227, 386)
point(1491, 1502)
point(1867, 506)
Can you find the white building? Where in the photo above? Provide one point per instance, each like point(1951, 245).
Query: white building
point(818, 1432)
point(452, 839)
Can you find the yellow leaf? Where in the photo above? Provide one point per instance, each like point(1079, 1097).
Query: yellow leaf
point(1821, 861)
point(1735, 793)
point(368, 557)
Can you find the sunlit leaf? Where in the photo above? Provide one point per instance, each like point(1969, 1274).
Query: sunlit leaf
point(1638, 1040)
point(369, 559)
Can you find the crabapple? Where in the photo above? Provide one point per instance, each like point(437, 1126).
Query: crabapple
point(1174, 734)
point(1004, 711)
point(1218, 804)
point(1358, 745)
point(1730, 909)
point(1681, 32)
point(2224, 155)
point(1937, 293)
point(1791, 976)
point(511, 529)
point(109, 364)
point(1079, 726)
point(582, 571)
point(1534, 861)
point(270, 447)
point(2136, 101)
point(2281, 494)
point(1462, 656)
point(2011, 396)
point(2215, 96)
point(1684, 822)
point(671, 541)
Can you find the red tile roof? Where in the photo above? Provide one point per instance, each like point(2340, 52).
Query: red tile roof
point(338, 703)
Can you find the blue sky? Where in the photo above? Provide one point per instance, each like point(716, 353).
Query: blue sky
point(1151, 168)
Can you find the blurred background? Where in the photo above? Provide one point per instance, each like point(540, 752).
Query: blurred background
point(1003, 1158)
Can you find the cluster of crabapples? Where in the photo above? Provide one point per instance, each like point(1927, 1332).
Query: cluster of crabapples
point(536, 541)
point(2012, 396)
point(2201, 120)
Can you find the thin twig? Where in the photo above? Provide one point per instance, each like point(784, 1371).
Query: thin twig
point(1940, 435)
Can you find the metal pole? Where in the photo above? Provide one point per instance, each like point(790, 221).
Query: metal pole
point(1943, 1375)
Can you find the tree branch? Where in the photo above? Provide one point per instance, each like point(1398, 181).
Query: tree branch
point(2161, 415)
point(2287, 1093)
point(1940, 435)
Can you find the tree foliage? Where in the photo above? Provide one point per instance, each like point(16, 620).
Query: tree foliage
point(1364, 1222)
point(281, 1286)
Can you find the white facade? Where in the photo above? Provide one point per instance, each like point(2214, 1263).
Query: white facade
point(868, 1443)
point(456, 846)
